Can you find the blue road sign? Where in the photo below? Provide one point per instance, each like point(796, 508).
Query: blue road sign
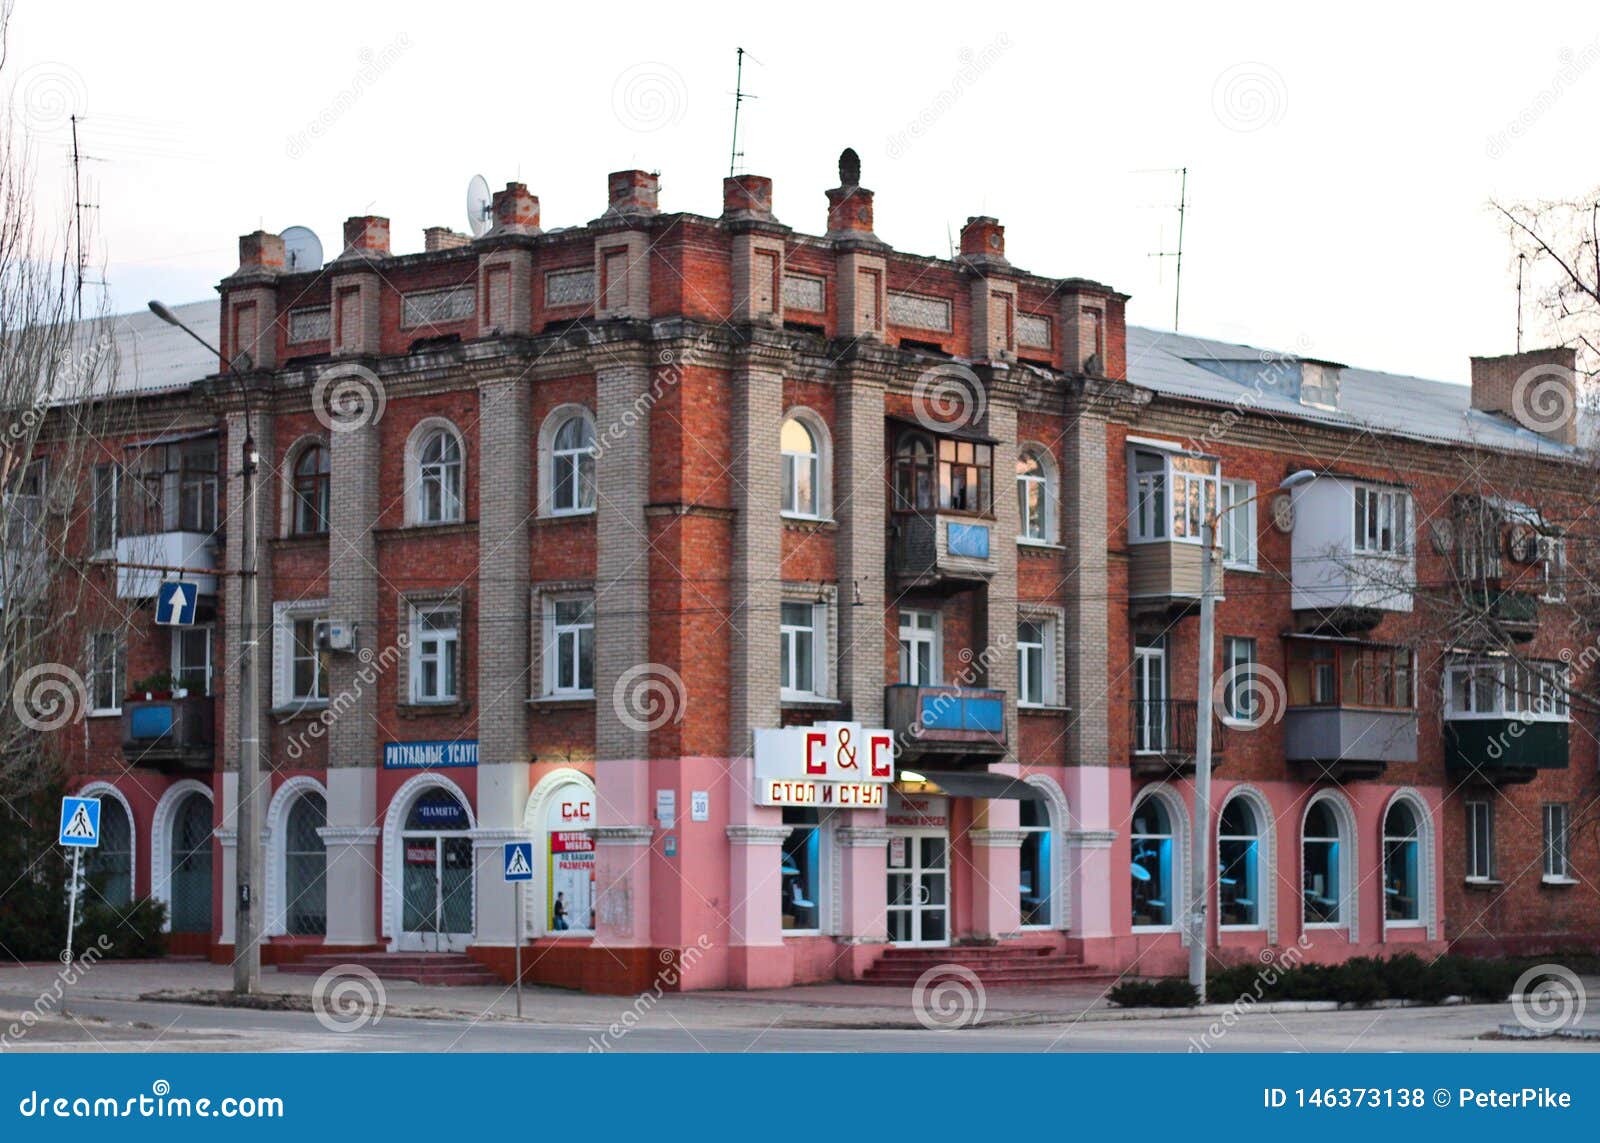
point(177, 603)
point(519, 861)
point(80, 822)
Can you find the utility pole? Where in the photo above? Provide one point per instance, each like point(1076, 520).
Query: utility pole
point(1200, 834)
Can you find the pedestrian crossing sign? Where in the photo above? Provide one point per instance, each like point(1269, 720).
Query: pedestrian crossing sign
point(80, 822)
point(519, 861)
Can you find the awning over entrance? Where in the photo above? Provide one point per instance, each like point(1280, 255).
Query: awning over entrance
point(981, 784)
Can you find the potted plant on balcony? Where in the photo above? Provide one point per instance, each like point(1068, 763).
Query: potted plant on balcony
point(160, 685)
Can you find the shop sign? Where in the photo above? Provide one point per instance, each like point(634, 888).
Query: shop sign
point(918, 811)
point(430, 755)
point(829, 764)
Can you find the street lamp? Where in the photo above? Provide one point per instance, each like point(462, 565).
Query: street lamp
point(246, 933)
point(1200, 862)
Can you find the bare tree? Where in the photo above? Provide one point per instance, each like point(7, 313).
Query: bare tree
point(1558, 244)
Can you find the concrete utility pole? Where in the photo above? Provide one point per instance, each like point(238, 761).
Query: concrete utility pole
point(246, 930)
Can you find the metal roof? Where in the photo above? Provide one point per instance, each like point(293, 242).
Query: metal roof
point(1435, 411)
point(152, 356)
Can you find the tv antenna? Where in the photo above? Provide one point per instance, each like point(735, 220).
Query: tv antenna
point(302, 249)
point(739, 96)
point(480, 205)
point(1177, 254)
point(1521, 258)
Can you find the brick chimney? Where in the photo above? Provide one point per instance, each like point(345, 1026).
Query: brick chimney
point(515, 211)
point(747, 196)
point(261, 252)
point(443, 238)
point(366, 236)
point(850, 203)
point(631, 193)
point(1537, 389)
point(983, 239)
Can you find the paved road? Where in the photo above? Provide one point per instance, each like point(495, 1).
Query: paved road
point(129, 1025)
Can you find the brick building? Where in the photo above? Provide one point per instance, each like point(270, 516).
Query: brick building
point(533, 567)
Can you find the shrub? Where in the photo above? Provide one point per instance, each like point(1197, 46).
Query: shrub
point(132, 930)
point(1165, 992)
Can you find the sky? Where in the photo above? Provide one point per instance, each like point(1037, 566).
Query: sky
point(1340, 159)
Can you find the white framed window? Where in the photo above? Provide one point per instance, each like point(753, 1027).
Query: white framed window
point(1241, 697)
point(1323, 865)
point(920, 664)
point(1171, 494)
point(308, 678)
point(1152, 731)
point(1382, 520)
point(1553, 568)
point(1036, 495)
point(1236, 526)
point(569, 646)
point(437, 478)
point(1480, 840)
point(801, 638)
point(1506, 688)
point(570, 461)
point(1036, 662)
point(1239, 851)
point(1402, 865)
point(435, 652)
point(191, 658)
point(1157, 857)
point(107, 667)
point(1557, 837)
point(802, 469)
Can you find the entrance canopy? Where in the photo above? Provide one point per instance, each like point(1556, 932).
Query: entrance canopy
point(982, 784)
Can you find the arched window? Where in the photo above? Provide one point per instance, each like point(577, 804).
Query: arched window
point(1035, 495)
point(569, 840)
point(305, 867)
point(108, 868)
point(1037, 875)
point(1322, 845)
point(189, 885)
point(1402, 872)
point(913, 474)
point(1239, 865)
point(1154, 865)
point(572, 465)
point(802, 469)
point(438, 482)
point(311, 490)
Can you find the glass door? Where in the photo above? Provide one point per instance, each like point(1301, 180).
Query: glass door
point(436, 876)
point(919, 889)
point(1150, 700)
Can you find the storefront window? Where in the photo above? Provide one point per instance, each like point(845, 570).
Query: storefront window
point(802, 868)
point(1401, 883)
point(1321, 862)
point(1238, 861)
point(1152, 864)
point(569, 897)
point(1036, 904)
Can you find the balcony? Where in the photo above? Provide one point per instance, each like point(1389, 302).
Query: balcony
point(1347, 743)
point(1164, 737)
point(173, 735)
point(949, 723)
point(1353, 552)
point(141, 558)
point(1514, 614)
point(940, 549)
point(1503, 751)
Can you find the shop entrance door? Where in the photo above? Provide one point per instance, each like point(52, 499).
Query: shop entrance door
point(919, 888)
point(436, 876)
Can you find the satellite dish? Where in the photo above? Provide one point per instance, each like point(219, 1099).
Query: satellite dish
point(480, 205)
point(302, 249)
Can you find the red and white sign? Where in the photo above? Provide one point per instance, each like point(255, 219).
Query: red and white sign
point(829, 764)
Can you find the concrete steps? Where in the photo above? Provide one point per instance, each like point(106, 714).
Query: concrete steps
point(999, 965)
point(420, 968)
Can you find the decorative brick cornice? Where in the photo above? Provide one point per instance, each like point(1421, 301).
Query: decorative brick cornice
point(758, 835)
point(349, 835)
point(623, 835)
point(997, 838)
point(1089, 838)
point(862, 837)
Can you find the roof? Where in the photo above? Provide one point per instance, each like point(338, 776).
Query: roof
point(152, 356)
point(1369, 400)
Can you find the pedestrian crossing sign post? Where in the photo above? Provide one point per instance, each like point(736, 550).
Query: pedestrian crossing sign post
point(80, 830)
point(517, 865)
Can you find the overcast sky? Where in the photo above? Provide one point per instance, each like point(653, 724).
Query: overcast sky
point(1339, 162)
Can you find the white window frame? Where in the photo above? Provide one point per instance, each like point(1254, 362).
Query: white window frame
point(285, 614)
point(1232, 645)
point(177, 652)
point(446, 658)
point(1480, 866)
point(1423, 839)
point(554, 633)
point(1177, 853)
point(1512, 683)
point(1345, 856)
point(1554, 873)
point(822, 442)
point(1198, 491)
point(119, 672)
point(791, 464)
point(551, 459)
point(1553, 568)
point(787, 632)
point(1237, 525)
point(417, 473)
point(933, 636)
point(1048, 686)
point(1265, 876)
point(1050, 503)
point(1372, 506)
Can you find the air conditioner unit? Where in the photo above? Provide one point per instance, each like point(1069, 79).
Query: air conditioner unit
point(339, 636)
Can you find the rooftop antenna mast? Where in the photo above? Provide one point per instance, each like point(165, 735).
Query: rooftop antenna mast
point(77, 224)
point(739, 96)
point(1177, 255)
point(1521, 258)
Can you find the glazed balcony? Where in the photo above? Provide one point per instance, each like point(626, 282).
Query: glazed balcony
point(173, 735)
point(949, 723)
point(1512, 613)
point(1163, 737)
point(1351, 708)
point(941, 549)
point(1504, 751)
